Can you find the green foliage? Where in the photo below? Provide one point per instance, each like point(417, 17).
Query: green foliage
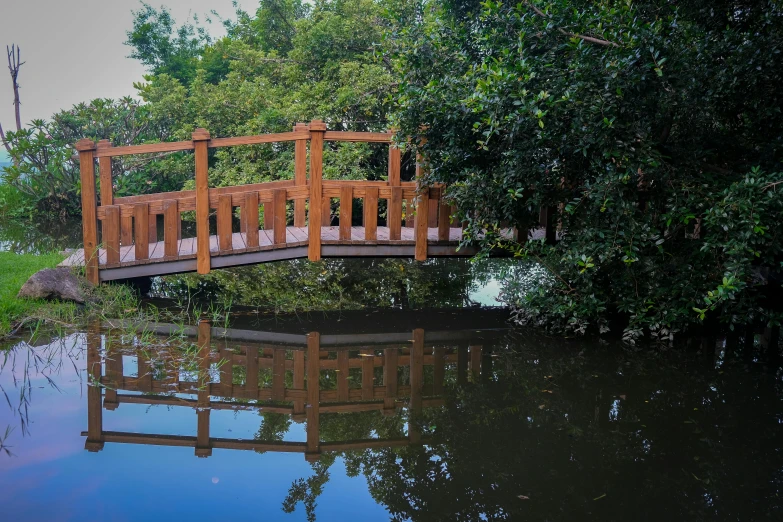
point(45, 175)
point(646, 121)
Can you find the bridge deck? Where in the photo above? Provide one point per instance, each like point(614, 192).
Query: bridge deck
point(294, 247)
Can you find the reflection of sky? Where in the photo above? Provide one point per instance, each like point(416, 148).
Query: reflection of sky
point(52, 477)
point(487, 294)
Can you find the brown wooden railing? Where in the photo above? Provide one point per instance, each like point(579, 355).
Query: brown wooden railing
point(129, 234)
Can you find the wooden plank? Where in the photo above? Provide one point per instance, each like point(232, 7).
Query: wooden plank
point(394, 214)
point(171, 226)
point(317, 130)
point(261, 138)
point(346, 211)
point(104, 171)
point(300, 174)
point(141, 227)
point(278, 375)
point(475, 362)
point(280, 217)
point(421, 226)
point(236, 191)
point(150, 148)
point(417, 369)
point(439, 369)
point(250, 215)
point(395, 163)
point(86, 150)
point(251, 369)
point(444, 221)
point(224, 221)
point(126, 230)
point(363, 137)
point(313, 392)
point(153, 227)
point(368, 374)
point(371, 214)
point(432, 213)
point(203, 263)
point(342, 375)
point(269, 215)
point(111, 234)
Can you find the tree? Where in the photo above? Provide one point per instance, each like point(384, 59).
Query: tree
point(14, 64)
point(655, 127)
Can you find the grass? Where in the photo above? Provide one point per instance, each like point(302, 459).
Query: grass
point(15, 269)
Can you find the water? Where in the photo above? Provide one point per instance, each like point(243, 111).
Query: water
point(27, 237)
point(477, 421)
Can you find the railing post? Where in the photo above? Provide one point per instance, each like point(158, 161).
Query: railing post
point(313, 449)
point(317, 130)
point(200, 141)
point(421, 222)
point(300, 174)
point(86, 150)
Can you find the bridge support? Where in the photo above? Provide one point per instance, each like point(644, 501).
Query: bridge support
point(86, 150)
point(317, 131)
point(200, 141)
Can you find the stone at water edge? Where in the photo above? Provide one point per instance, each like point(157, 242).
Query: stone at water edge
point(54, 283)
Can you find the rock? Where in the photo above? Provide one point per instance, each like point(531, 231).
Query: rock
point(54, 283)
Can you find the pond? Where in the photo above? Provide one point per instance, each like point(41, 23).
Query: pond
point(418, 414)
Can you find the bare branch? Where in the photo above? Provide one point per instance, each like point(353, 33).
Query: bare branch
point(4, 140)
point(591, 39)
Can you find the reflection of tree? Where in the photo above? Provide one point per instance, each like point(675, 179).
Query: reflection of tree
point(307, 490)
point(273, 427)
point(336, 284)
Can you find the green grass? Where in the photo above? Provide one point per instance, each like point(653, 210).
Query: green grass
point(15, 269)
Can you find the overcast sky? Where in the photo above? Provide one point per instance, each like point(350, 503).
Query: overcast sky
point(74, 49)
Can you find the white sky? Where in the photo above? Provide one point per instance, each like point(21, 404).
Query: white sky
point(74, 49)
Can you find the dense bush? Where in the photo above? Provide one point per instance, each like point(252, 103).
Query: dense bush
point(655, 126)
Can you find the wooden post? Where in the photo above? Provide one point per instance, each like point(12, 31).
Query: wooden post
point(114, 371)
point(171, 227)
point(313, 449)
point(111, 234)
point(278, 199)
point(203, 445)
point(94, 440)
point(227, 371)
point(86, 150)
point(475, 363)
point(300, 174)
point(342, 375)
point(417, 382)
point(421, 224)
point(390, 380)
point(251, 372)
point(278, 375)
point(438, 369)
point(395, 161)
point(444, 220)
point(394, 214)
point(104, 171)
point(299, 384)
point(317, 130)
point(141, 216)
point(250, 215)
point(224, 221)
point(368, 374)
point(200, 142)
point(346, 212)
point(371, 214)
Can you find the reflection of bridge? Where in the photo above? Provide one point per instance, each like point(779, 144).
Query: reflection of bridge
point(376, 361)
point(132, 244)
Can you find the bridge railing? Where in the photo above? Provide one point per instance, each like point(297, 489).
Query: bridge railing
point(130, 224)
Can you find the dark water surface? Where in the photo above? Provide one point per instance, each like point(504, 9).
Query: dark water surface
point(418, 415)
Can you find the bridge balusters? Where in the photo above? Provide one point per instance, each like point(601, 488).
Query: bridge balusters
point(269, 211)
point(300, 174)
point(280, 221)
point(224, 222)
point(371, 213)
point(171, 228)
point(250, 219)
point(444, 220)
point(111, 234)
point(141, 217)
point(421, 225)
point(368, 374)
point(346, 212)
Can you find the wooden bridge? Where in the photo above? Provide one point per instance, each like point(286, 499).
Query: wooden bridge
point(366, 376)
point(418, 223)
